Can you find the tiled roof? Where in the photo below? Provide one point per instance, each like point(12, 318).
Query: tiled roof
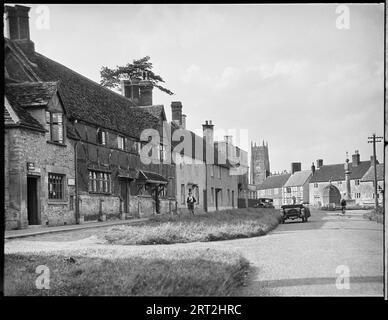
point(369, 175)
point(275, 181)
point(25, 119)
point(88, 101)
point(31, 94)
point(299, 178)
point(336, 172)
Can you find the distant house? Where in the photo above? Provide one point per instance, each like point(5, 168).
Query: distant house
point(327, 184)
point(272, 187)
point(367, 185)
point(296, 189)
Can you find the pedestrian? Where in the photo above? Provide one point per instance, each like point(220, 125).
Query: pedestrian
point(190, 202)
point(343, 205)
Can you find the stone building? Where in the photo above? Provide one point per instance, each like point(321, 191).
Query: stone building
point(260, 167)
point(296, 189)
point(328, 182)
point(189, 161)
point(73, 147)
point(367, 186)
point(272, 187)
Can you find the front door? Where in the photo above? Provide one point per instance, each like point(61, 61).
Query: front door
point(32, 201)
point(124, 193)
point(217, 193)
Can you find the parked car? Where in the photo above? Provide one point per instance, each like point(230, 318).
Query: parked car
point(264, 203)
point(295, 211)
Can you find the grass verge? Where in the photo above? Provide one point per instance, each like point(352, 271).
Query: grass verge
point(181, 273)
point(222, 225)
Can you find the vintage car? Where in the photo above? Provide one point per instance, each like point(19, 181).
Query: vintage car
point(295, 211)
point(264, 203)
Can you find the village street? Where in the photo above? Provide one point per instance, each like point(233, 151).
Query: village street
point(295, 259)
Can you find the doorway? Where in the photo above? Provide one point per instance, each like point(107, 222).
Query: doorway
point(124, 193)
point(32, 201)
point(218, 197)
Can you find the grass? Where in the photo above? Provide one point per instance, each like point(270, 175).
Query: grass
point(223, 225)
point(181, 273)
point(375, 215)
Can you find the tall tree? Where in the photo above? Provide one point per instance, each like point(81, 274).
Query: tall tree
point(141, 68)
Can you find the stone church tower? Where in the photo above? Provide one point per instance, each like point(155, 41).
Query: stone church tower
point(259, 163)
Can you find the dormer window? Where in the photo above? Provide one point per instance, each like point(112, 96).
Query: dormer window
point(54, 126)
point(101, 137)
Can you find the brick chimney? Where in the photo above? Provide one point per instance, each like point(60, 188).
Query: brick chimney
point(176, 112)
point(131, 90)
point(312, 168)
point(319, 163)
point(372, 158)
point(145, 87)
point(295, 166)
point(208, 132)
point(355, 159)
point(18, 29)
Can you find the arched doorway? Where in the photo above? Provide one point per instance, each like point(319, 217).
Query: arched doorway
point(331, 194)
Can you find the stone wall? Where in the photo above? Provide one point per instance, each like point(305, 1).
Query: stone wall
point(24, 146)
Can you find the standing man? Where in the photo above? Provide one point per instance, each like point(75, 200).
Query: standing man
point(343, 205)
point(190, 202)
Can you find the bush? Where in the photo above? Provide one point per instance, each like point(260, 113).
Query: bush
point(375, 215)
point(222, 225)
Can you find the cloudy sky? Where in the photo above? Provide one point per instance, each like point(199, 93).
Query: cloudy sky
point(285, 73)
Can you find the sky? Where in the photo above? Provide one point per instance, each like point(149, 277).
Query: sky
point(285, 74)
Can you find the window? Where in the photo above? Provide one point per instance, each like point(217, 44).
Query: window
point(121, 142)
point(212, 190)
point(55, 186)
point(99, 182)
point(101, 136)
point(339, 182)
point(212, 170)
point(357, 182)
point(228, 196)
point(288, 189)
point(276, 191)
point(315, 185)
point(54, 125)
point(183, 194)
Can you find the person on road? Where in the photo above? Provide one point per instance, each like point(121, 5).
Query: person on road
point(343, 205)
point(190, 202)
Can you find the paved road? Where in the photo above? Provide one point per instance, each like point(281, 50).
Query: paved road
point(296, 259)
point(301, 259)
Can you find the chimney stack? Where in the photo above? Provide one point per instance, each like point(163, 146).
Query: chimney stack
point(312, 168)
point(296, 166)
point(184, 121)
point(355, 159)
point(372, 158)
point(208, 132)
point(176, 112)
point(145, 87)
point(18, 29)
point(319, 163)
point(131, 90)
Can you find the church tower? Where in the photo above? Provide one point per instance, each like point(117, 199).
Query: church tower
point(260, 168)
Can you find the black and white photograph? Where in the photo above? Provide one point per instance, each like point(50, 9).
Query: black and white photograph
point(194, 150)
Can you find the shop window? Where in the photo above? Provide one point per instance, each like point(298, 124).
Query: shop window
point(56, 186)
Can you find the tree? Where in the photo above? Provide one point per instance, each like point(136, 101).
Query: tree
point(141, 68)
